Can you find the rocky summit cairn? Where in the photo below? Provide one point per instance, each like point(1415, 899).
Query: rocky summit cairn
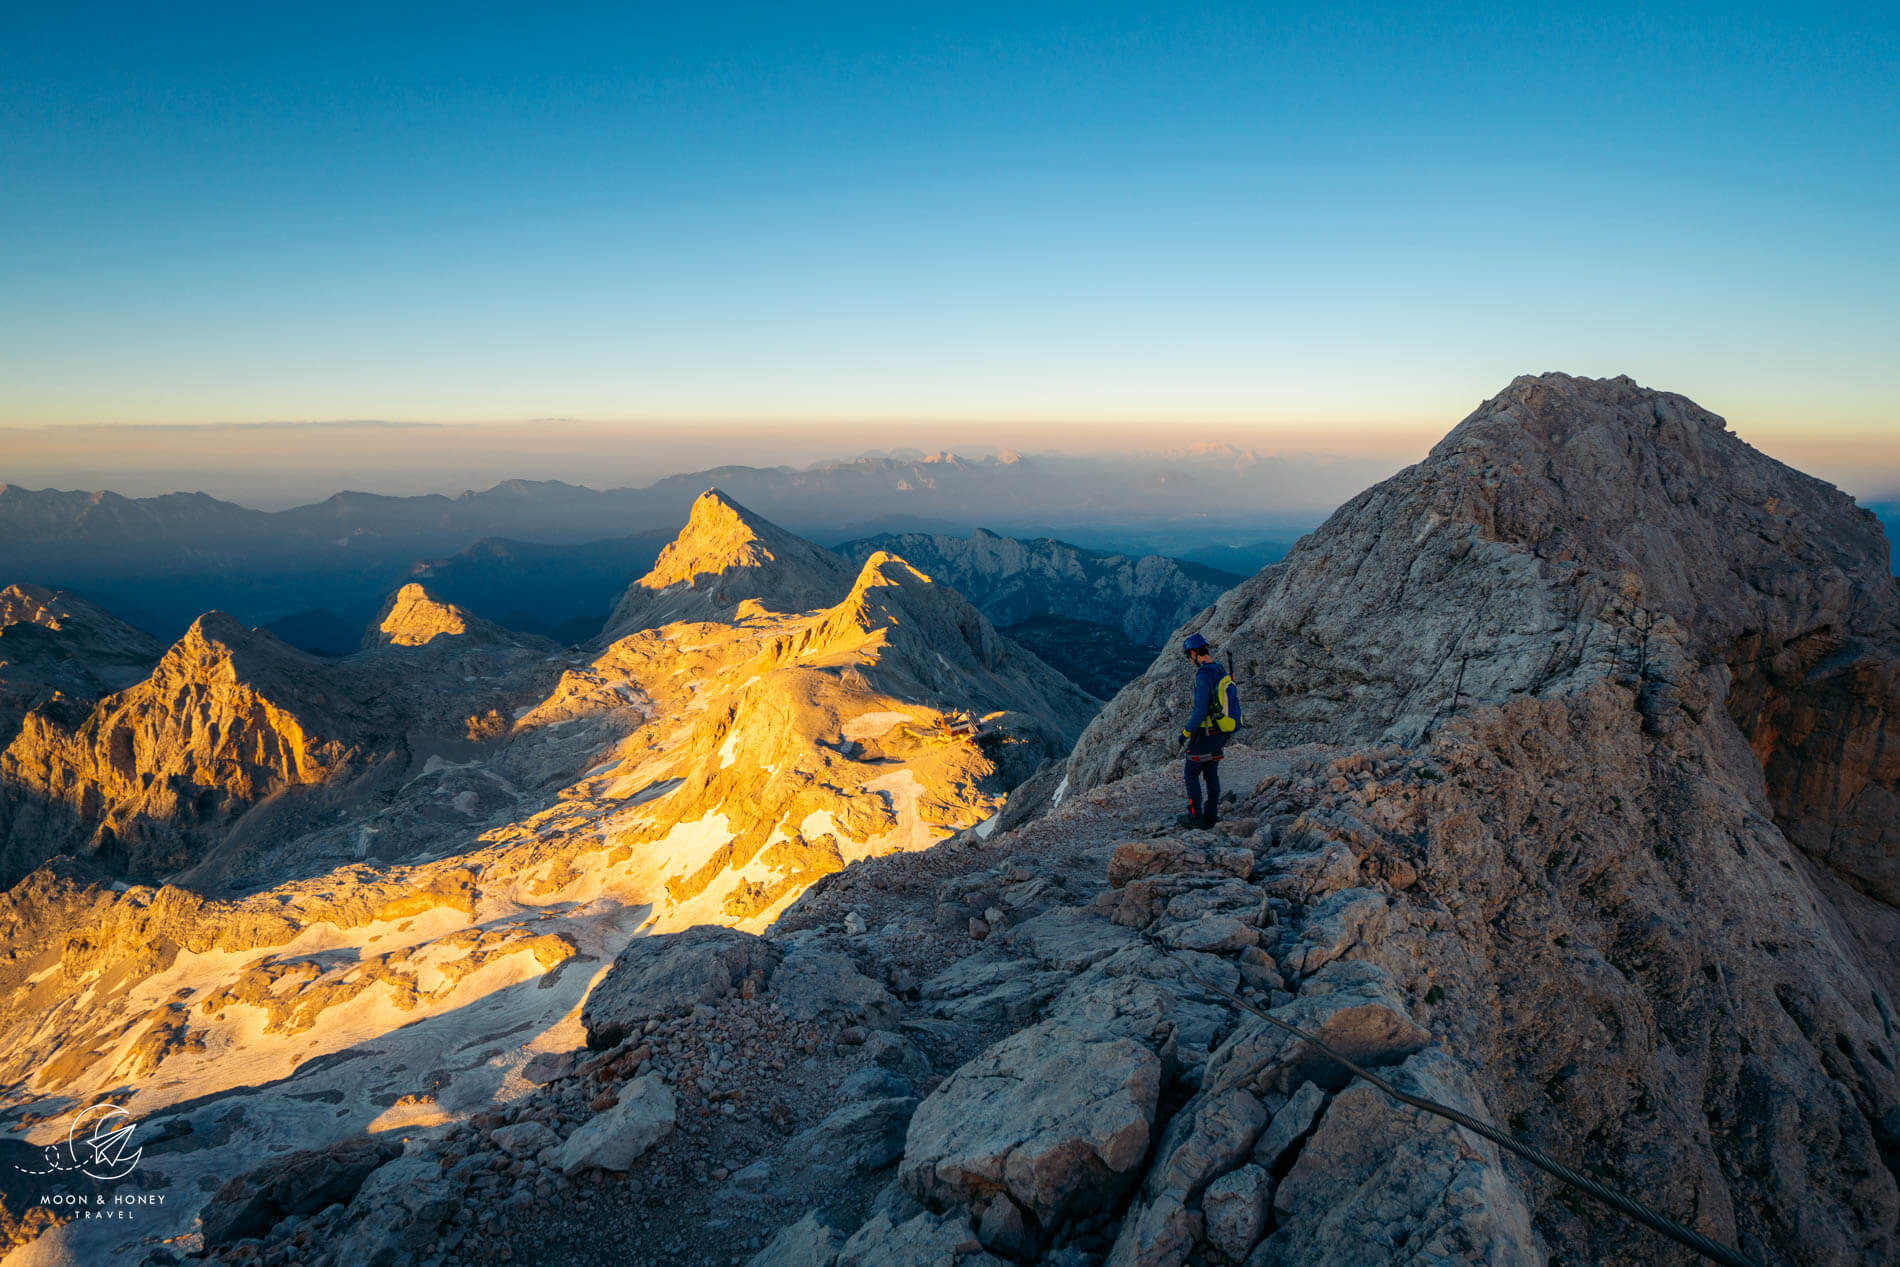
point(724, 556)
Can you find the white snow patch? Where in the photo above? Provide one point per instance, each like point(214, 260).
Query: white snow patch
point(729, 750)
point(1062, 790)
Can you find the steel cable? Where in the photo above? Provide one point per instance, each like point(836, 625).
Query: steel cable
point(1689, 1238)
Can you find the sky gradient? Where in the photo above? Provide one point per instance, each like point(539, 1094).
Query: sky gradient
point(779, 217)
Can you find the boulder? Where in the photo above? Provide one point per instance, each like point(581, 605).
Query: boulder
point(666, 975)
point(854, 1139)
point(525, 1139)
point(298, 1183)
point(810, 983)
point(1058, 1115)
point(810, 1242)
point(613, 1139)
point(1234, 1208)
point(923, 1240)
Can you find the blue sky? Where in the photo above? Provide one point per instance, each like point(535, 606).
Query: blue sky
point(1178, 218)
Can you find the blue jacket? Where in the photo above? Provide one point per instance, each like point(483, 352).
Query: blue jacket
point(1206, 678)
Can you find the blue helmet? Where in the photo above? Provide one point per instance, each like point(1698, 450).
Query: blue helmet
point(1194, 643)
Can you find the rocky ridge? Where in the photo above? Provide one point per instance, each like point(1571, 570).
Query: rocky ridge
point(61, 651)
point(401, 902)
point(1011, 580)
point(1550, 889)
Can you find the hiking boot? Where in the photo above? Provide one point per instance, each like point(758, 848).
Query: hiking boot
point(1188, 821)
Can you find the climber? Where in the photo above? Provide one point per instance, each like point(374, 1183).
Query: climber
point(1216, 713)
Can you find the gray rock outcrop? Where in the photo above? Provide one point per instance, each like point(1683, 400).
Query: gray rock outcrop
point(1011, 580)
point(665, 975)
point(613, 1140)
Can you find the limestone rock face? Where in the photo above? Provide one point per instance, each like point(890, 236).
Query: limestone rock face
point(55, 647)
point(929, 638)
point(1057, 1116)
point(723, 557)
point(1571, 530)
point(1146, 598)
point(228, 718)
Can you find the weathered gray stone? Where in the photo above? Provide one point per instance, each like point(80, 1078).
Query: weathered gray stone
point(297, 1183)
point(1378, 1175)
point(984, 990)
point(615, 1138)
point(853, 1139)
point(809, 983)
point(1057, 1115)
point(1335, 925)
point(1212, 934)
point(810, 1242)
point(923, 1240)
point(1235, 1210)
point(524, 1139)
point(1366, 1021)
point(1158, 1232)
point(1070, 938)
point(1001, 1228)
point(1309, 874)
point(666, 975)
point(1289, 1126)
point(1213, 1133)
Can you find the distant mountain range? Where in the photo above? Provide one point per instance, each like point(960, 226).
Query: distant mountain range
point(550, 557)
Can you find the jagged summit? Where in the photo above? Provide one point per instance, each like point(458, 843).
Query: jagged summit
point(413, 616)
point(55, 648)
point(87, 631)
point(927, 640)
point(723, 556)
point(1566, 525)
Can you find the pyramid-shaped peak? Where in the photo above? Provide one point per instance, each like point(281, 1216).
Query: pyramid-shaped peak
point(719, 534)
point(413, 616)
point(726, 555)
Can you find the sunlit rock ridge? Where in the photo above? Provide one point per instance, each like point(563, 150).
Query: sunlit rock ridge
point(1562, 801)
point(414, 860)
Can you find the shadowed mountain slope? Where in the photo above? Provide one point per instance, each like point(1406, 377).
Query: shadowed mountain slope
point(1012, 581)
